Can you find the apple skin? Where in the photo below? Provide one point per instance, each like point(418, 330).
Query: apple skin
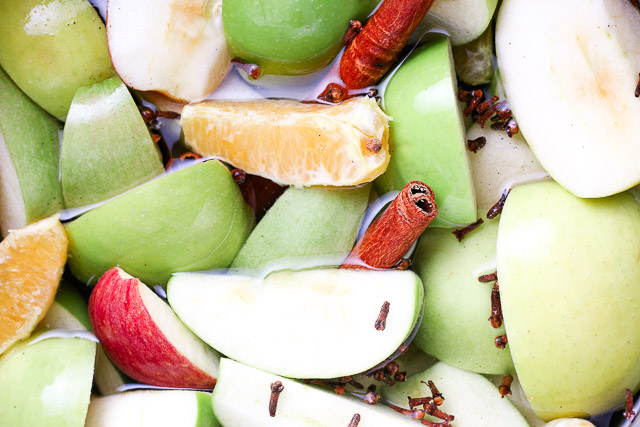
point(29, 186)
point(193, 219)
point(47, 383)
point(289, 37)
point(51, 48)
point(135, 341)
point(302, 224)
point(570, 290)
point(457, 306)
point(106, 147)
point(427, 140)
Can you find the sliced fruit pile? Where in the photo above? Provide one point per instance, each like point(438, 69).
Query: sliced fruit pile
point(263, 229)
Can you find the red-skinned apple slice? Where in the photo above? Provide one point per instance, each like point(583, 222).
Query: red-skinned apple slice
point(145, 339)
point(176, 47)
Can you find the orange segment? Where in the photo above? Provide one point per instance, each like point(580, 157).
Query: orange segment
point(31, 263)
point(290, 142)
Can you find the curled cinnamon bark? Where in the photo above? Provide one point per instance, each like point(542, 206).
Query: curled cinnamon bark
point(392, 233)
point(372, 52)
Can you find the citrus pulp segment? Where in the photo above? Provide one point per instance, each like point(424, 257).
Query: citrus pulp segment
point(293, 143)
point(31, 264)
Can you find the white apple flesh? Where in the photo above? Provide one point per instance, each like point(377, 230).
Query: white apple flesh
point(152, 408)
point(500, 165)
point(241, 398)
point(176, 47)
point(569, 70)
point(471, 398)
point(145, 339)
point(307, 324)
point(462, 20)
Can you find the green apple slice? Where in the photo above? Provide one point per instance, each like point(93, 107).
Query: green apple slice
point(193, 219)
point(471, 398)
point(176, 47)
point(152, 408)
point(106, 148)
point(457, 306)
point(69, 311)
point(241, 398)
point(283, 39)
point(307, 324)
point(29, 185)
point(462, 20)
point(302, 225)
point(500, 165)
point(427, 134)
point(50, 48)
point(570, 289)
point(46, 383)
point(581, 120)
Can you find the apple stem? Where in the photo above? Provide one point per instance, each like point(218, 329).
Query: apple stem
point(354, 29)
point(629, 413)
point(276, 389)
point(335, 93)
point(436, 396)
point(374, 50)
point(252, 70)
point(502, 341)
point(486, 278)
point(461, 233)
point(474, 145)
point(637, 92)
point(496, 307)
point(381, 321)
point(505, 386)
point(496, 209)
point(482, 109)
point(372, 398)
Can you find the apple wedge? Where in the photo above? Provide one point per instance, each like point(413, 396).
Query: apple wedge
point(571, 88)
point(427, 140)
point(471, 398)
point(46, 383)
point(106, 146)
point(176, 47)
point(307, 324)
point(302, 226)
point(242, 398)
point(500, 165)
point(50, 48)
point(69, 311)
point(145, 339)
point(29, 185)
point(570, 291)
point(462, 20)
point(193, 219)
point(457, 306)
point(152, 408)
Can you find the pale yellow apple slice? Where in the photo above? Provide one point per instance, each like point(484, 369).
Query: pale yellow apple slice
point(307, 324)
point(500, 165)
point(176, 47)
point(569, 70)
